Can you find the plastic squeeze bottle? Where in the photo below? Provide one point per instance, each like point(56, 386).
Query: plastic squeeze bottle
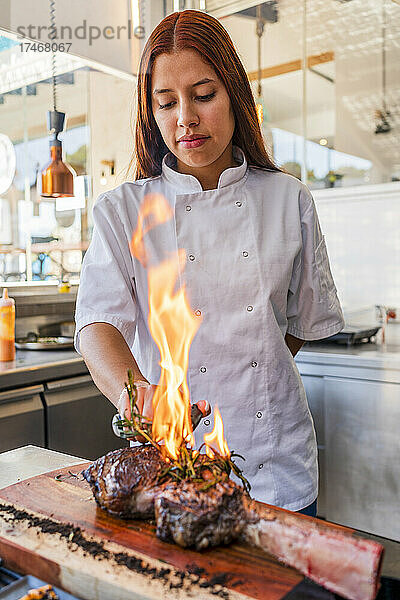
point(7, 327)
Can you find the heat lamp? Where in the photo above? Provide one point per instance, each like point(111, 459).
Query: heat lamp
point(383, 115)
point(57, 176)
point(262, 114)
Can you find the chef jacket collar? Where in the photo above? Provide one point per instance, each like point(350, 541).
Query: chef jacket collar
point(189, 183)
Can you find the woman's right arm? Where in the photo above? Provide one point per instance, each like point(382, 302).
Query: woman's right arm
point(106, 308)
point(108, 358)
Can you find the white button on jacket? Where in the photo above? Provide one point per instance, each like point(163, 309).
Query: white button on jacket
point(247, 306)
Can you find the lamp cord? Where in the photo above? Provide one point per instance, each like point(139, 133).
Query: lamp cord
point(53, 36)
point(259, 31)
point(384, 24)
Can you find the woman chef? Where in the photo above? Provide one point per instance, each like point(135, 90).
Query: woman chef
point(257, 269)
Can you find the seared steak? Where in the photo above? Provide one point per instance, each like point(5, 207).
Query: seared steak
point(190, 516)
point(124, 482)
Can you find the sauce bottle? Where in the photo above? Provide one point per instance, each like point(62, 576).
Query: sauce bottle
point(64, 287)
point(7, 327)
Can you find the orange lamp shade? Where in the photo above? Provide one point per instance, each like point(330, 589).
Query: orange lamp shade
point(57, 176)
point(260, 113)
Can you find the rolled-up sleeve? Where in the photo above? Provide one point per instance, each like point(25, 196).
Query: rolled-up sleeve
point(106, 289)
point(313, 307)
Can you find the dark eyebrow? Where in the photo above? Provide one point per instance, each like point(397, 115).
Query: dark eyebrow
point(201, 82)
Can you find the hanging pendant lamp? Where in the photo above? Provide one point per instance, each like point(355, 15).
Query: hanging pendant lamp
point(260, 105)
point(383, 115)
point(57, 176)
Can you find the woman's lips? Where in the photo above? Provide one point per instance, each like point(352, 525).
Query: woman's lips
point(194, 143)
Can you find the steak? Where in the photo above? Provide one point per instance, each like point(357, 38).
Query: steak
point(202, 514)
point(124, 482)
point(191, 516)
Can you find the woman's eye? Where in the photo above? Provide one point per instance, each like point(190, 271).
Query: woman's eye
point(166, 105)
point(205, 98)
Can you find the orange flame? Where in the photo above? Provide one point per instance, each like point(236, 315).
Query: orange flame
point(154, 211)
point(173, 326)
point(216, 438)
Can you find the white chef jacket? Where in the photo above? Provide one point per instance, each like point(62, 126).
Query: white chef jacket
point(257, 269)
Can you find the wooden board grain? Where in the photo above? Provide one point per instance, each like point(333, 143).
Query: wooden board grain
point(246, 572)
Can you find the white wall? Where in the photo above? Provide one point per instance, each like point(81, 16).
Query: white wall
point(361, 227)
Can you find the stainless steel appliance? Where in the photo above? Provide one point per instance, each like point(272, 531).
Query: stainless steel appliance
point(45, 343)
point(78, 418)
point(22, 418)
point(351, 335)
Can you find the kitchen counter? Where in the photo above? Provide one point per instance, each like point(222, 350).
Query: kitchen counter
point(372, 355)
point(48, 398)
point(36, 366)
point(29, 461)
point(363, 361)
point(354, 397)
point(369, 352)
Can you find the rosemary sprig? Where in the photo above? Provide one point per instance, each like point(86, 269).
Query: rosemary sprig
point(238, 472)
point(190, 464)
point(137, 424)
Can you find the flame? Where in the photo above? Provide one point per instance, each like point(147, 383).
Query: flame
point(173, 326)
point(154, 211)
point(209, 452)
point(216, 438)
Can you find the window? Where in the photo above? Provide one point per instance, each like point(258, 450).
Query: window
point(350, 119)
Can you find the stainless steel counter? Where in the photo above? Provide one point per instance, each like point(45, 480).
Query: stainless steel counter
point(370, 353)
point(354, 396)
point(48, 398)
point(36, 366)
point(364, 361)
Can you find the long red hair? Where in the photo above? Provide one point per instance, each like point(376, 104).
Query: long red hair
point(198, 31)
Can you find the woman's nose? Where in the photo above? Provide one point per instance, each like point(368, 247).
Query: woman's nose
point(187, 116)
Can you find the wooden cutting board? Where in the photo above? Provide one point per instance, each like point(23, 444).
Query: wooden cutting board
point(131, 561)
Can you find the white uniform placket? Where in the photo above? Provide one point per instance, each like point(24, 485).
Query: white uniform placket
point(196, 214)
